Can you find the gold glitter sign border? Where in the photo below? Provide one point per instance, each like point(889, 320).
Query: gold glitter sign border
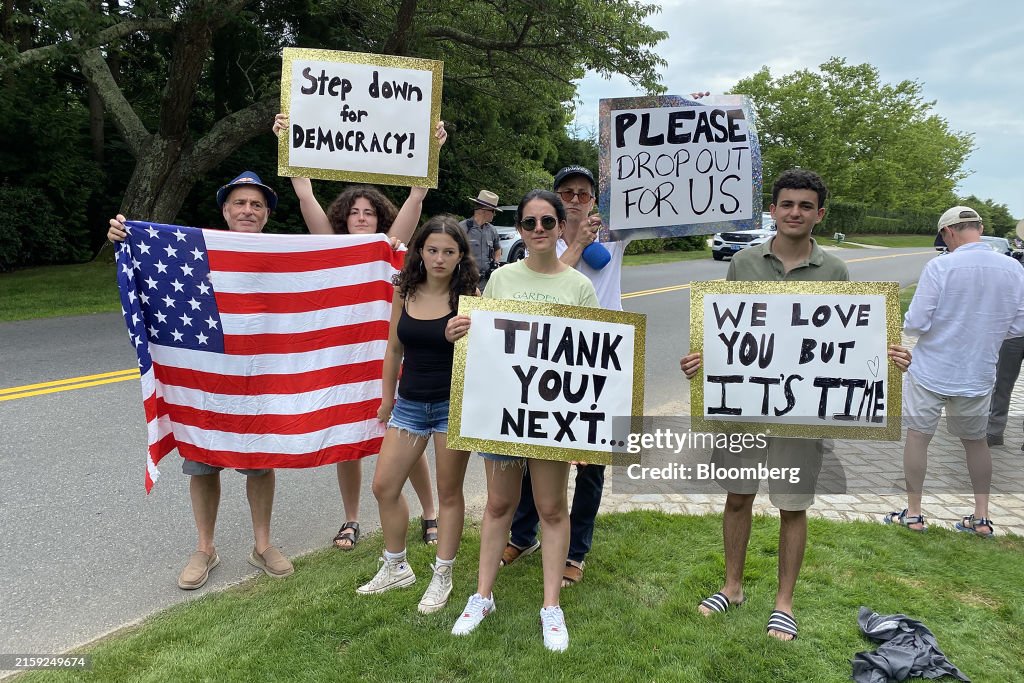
point(455, 440)
point(892, 431)
point(289, 54)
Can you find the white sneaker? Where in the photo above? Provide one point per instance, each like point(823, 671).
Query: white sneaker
point(436, 595)
point(552, 625)
point(477, 608)
point(390, 575)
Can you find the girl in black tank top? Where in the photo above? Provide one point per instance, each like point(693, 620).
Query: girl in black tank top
point(438, 269)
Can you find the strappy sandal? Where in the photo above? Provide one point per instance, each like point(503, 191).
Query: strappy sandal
point(905, 520)
point(343, 536)
point(429, 527)
point(970, 524)
point(572, 574)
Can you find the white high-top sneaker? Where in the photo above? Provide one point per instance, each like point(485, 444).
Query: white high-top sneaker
point(391, 574)
point(436, 595)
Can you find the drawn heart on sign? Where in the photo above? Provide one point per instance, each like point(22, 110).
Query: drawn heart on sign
point(873, 366)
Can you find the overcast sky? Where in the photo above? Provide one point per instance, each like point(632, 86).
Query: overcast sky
point(969, 57)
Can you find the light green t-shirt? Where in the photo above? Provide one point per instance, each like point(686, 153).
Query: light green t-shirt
point(519, 283)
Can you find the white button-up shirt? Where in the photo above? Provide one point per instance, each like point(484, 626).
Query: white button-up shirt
point(967, 302)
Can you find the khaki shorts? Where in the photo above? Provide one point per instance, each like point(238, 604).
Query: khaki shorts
point(966, 416)
point(790, 466)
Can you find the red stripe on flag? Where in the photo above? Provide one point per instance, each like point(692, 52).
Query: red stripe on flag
point(162, 447)
point(299, 261)
point(303, 302)
point(251, 344)
point(149, 407)
point(327, 456)
point(253, 385)
point(266, 423)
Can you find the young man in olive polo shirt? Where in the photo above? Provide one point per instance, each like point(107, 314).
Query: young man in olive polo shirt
point(798, 199)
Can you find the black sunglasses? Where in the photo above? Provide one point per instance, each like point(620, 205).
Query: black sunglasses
point(530, 224)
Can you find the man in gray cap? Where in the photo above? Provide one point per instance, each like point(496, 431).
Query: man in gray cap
point(484, 242)
point(965, 305)
point(245, 203)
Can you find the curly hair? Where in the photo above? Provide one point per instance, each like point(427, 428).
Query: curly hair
point(800, 179)
point(466, 276)
point(337, 212)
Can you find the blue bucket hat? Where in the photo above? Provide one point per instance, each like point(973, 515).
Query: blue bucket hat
point(247, 178)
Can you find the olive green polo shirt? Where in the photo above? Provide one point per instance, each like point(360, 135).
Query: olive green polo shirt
point(760, 264)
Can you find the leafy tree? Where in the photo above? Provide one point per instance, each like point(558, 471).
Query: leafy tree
point(995, 217)
point(872, 142)
point(187, 85)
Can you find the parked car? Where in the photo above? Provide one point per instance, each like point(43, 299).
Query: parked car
point(1000, 245)
point(512, 247)
point(725, 244)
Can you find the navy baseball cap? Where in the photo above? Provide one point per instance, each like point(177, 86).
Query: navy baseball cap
point(247, 179)
point(569, 171)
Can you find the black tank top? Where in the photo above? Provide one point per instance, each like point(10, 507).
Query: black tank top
point(427, 365)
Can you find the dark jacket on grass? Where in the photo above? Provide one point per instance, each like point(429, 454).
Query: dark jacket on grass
point(908, 650)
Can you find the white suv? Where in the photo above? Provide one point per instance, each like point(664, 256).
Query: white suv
point(725, 244)
point(512, 247)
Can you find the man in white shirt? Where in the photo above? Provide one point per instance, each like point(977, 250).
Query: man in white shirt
point(966, 304)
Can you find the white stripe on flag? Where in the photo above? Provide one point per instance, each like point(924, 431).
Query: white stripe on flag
point(266, 363)
point(284, 444)
point(276, 404)
point(312, 321)
point(260, 243)
point(231, 282)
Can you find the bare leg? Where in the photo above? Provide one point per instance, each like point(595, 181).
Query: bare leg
point(350, 479)
point(419, 477)
point(915, 466)
point(398, 455)
point(550, 479)
point(792, 542)
point(451, 475)
point(504, 484)
point(260, 491)
point(204, 490)
point(979, 466)
point(736, 521)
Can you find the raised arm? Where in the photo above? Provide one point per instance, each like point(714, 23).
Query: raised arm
point(409, 215)
point(312, 213)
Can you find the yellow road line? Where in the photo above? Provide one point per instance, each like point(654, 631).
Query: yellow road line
point(55, 386)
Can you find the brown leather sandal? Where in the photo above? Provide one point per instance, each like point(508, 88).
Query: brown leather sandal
point(514, 552)
point(572, 574)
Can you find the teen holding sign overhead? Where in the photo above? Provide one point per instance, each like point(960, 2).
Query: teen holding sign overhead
point(541, 277)
point(364, 210)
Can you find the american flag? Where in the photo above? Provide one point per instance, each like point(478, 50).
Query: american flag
point(257, 350)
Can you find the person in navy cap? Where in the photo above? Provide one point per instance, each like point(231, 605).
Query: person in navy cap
point(245, 203)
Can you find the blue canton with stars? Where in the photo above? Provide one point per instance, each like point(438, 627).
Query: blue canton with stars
point(163, 274)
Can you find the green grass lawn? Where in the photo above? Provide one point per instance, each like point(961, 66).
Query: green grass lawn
point(664, 257)
point(633, 617)
point(906, 294)
point(51, 291)
point(894, 241)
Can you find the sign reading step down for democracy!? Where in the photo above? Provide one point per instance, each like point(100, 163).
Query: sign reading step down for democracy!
point(672, 166)
point(546, 380)
point(360, 117)
point(805, 359)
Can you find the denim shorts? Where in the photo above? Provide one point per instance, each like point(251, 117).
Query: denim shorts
point(419, 418)
point(498, 457)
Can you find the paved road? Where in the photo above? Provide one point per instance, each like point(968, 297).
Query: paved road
point(84, 550)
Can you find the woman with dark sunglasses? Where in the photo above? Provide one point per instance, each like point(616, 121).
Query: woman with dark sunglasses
point(540, 277)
